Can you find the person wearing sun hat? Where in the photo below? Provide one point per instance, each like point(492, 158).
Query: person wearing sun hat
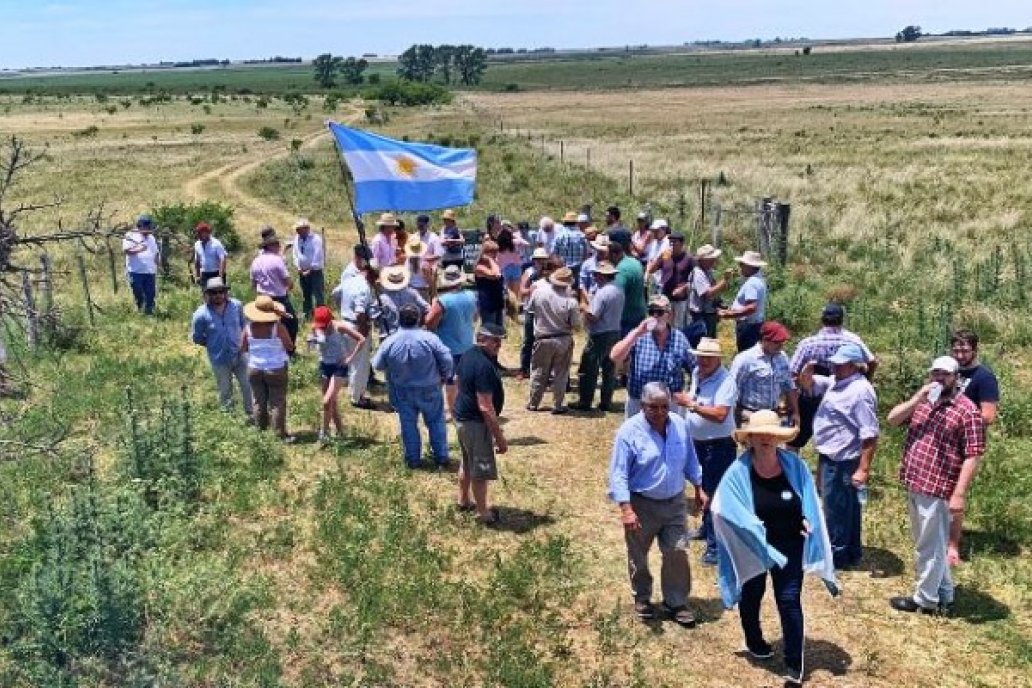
point(710, 402)
point(944, 446)
point(750, 305)
point(309, 260)
point(603, 323)
point(142, 256)
point(704, 289)
point(571, 245)
point(396, 291)
point(269, 275)
point(763, 376)
point(335, 355)
point(209, 256)
point(542, 265)
point(556, 315)
point(452, 240)
point(218, 325)
point(384, 245)
point(268, 347)
point(423, 253)
point(767, 518)
point(586, 277)
point(845, 435)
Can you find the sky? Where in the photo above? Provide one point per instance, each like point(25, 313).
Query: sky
point(49, 33)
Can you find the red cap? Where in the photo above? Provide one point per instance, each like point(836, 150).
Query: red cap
point(322, 316)
point(774, 332)
point(202, 227)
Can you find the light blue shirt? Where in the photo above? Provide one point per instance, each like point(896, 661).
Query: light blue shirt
point(219, 333)
point(356, 296)
point(308, 252)
point(456, 325)
point(718, 389)
point(753, 289)
point(414, 357)
point(208, 255)
point(646, 463)
point(761, 379)
point(847, 416)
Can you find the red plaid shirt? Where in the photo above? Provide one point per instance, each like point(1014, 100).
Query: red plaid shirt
point(940, 438)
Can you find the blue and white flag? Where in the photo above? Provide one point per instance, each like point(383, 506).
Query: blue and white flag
point(395, 175)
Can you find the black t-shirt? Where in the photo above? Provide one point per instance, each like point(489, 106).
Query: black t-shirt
point(477, 373)
point(978, 384)
point(778, 506)
point(620, 235)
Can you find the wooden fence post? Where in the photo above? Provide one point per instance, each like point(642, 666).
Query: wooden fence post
point(588, 161)
point(164, 254)
point(715, 229)
point(31, 316)
point(111, 266)
point(47, 282)
point(630, 178)
point(702, 202)
point(562, 151)
point(86, 288)
point(784, 210)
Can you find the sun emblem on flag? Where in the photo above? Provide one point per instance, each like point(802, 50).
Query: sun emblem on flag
point(406, 166)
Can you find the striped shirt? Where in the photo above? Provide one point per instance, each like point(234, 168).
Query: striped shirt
point(761, 379)
point(822, 345)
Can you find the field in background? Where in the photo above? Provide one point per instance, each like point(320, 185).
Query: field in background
point(304, 567)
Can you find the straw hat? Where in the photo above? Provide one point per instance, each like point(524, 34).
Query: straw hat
point(448, 214)
point(765, 423)
point(563, 277)
point(752, 259)
point(540, 253)
point(387, 220)
point(265, 310)
point(394, 277)
point(601, 243)
point(659, 301)
point(301, 223)
point(414, 248)
point(707, 252)
point(604, 267)
point(452, 276)
point(569, 218)
point(708, 347)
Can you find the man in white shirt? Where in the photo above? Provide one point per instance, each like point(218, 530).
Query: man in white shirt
point(309, 261)
point(141, 263)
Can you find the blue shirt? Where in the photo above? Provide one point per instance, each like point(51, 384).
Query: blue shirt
point(753, 289)
point(718, 389)
point(651, 364)
point(219, 334)
point(847, 416)
point(571, 246)
point(761, 379)
point(208, 255)
point(646, 463)
point(456, 325)
point(586, 277)
point(414, 358)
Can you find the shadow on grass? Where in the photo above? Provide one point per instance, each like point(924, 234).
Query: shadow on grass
point(881, 563)
point(977, 607)
point(818, 655)
point(527, 441)
point(516, 520)
point(975, 542)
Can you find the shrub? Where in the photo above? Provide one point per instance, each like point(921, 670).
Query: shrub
point(86, 133)
point(408, 93)
point(196, 128)
point(111, 109)
point(269, 133)
point(373, 79)
point(181, 219)
point(511, 88)
point(295, 145)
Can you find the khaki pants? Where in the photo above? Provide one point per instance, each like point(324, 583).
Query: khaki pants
point(551, 357)
point(270, 398)
point(662, 519)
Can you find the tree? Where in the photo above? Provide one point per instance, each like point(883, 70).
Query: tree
point(909, 34)
point(444, 56)
point(326, 67)
point(417, 63)
point(470, 61)
point(351, 70)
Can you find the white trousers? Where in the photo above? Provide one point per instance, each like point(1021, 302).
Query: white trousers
point(930, 528)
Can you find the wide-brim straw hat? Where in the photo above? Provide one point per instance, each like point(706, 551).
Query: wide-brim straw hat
point(414, 247)
point(707, 252)
point(302, 222)
point(765, 423)
point(752, 259)
point(569, 218)
point(394, 278)
point(604, 268)
point(387, 220)
point(708, 347)
point(265, 310)
point(448, 214)
point(452, 276)
point(563, 277)
point(540, 253)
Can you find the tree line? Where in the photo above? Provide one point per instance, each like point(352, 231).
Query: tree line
point(460, 64)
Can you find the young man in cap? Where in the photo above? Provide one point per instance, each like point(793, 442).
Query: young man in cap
point(555, 317)
point(750, 305)
point(704, 289)
point(269, 276)
point(846, 433)
point(642, 236)
point(309, 260)
point(209, 256)
point(217, 325)
point(603, 322)
point(384, 246)
point(818, 348)
point(945, 443)
point(763, 377)
point(141, 262)
point(478, 404)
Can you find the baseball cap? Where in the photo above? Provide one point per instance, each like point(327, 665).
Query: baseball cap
point(422, 219)
point(144, 221)
point(946, 364)
point(848, 353)
point(322, 316)
point(363, 252)
point(583, 217)
point(774, 332)
point(833, 311)
point(659, 301)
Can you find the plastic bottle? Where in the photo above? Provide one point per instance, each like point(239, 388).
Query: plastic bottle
point(862, 493)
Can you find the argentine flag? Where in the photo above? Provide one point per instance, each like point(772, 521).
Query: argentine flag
point(395, 175)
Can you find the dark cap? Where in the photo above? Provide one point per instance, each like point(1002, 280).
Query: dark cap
point(422, 219)
point(613, 210)
point(363, 252)
point(774, 332)
point(833, 312)
point(677, 236)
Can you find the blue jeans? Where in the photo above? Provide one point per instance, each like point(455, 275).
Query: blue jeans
point(145, 288)
point(715, 457)
point(842, 510)
point(493, 317)
point(410, 402)
point(788, 584)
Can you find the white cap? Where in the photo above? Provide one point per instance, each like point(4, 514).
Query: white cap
point(583, 217)
point(659, 223)
point(946, 364)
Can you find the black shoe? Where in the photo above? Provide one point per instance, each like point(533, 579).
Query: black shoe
point(644, 609)
point(682, 616)
point(908, 604)
point(580, 407)
point(605, 408)
point(793, 677)
point(560, 410)
point(761, 651)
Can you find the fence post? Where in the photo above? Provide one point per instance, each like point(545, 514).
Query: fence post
point(85, 288)
point(31, 316)
point(715, 230)
point(562, 151)
point(48, 295)
point(630, 178)
point(588, 163)
point(784, 210)
point(702, 202)
point(164, 254)
point(111, 266)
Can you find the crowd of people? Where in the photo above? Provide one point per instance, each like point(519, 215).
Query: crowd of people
point(649, 307)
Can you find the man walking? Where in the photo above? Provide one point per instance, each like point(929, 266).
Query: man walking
point(603, 323)
point(944, 445)
point(555, 317)
point(417, 364)
point(269, 276)
point(478, 403)
point(217, 326)
point(141, 263)
point(309, 261)
point(209, 256)
point(846, 433)
point(762, 376)
point(750, 305)
point(652, 458)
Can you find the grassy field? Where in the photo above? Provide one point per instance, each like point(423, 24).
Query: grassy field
point(236, 561)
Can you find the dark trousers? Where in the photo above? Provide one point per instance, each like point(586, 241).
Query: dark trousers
point(493, 317)
point(595, 357)
point(291, 322)
point(528, 343)
point(710, 319)
point(788, 584)
point(312, 288)
point(807, 410)
point(145, 288)
point(715, 457)
point(746, 335)
point(842, 510)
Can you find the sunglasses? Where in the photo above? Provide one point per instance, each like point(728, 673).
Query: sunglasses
point(657, 312)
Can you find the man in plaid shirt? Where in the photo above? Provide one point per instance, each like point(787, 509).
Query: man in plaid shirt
point(945, 442)
point(571, 245)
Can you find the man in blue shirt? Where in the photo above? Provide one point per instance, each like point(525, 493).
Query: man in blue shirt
point(217, 325)
point(209, 256)
point(763, 375)
point(417, 364)
point(750, 305)
point(652, 457)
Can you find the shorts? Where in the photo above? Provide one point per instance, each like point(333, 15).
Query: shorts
point(328, 370)
point(477, 445)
